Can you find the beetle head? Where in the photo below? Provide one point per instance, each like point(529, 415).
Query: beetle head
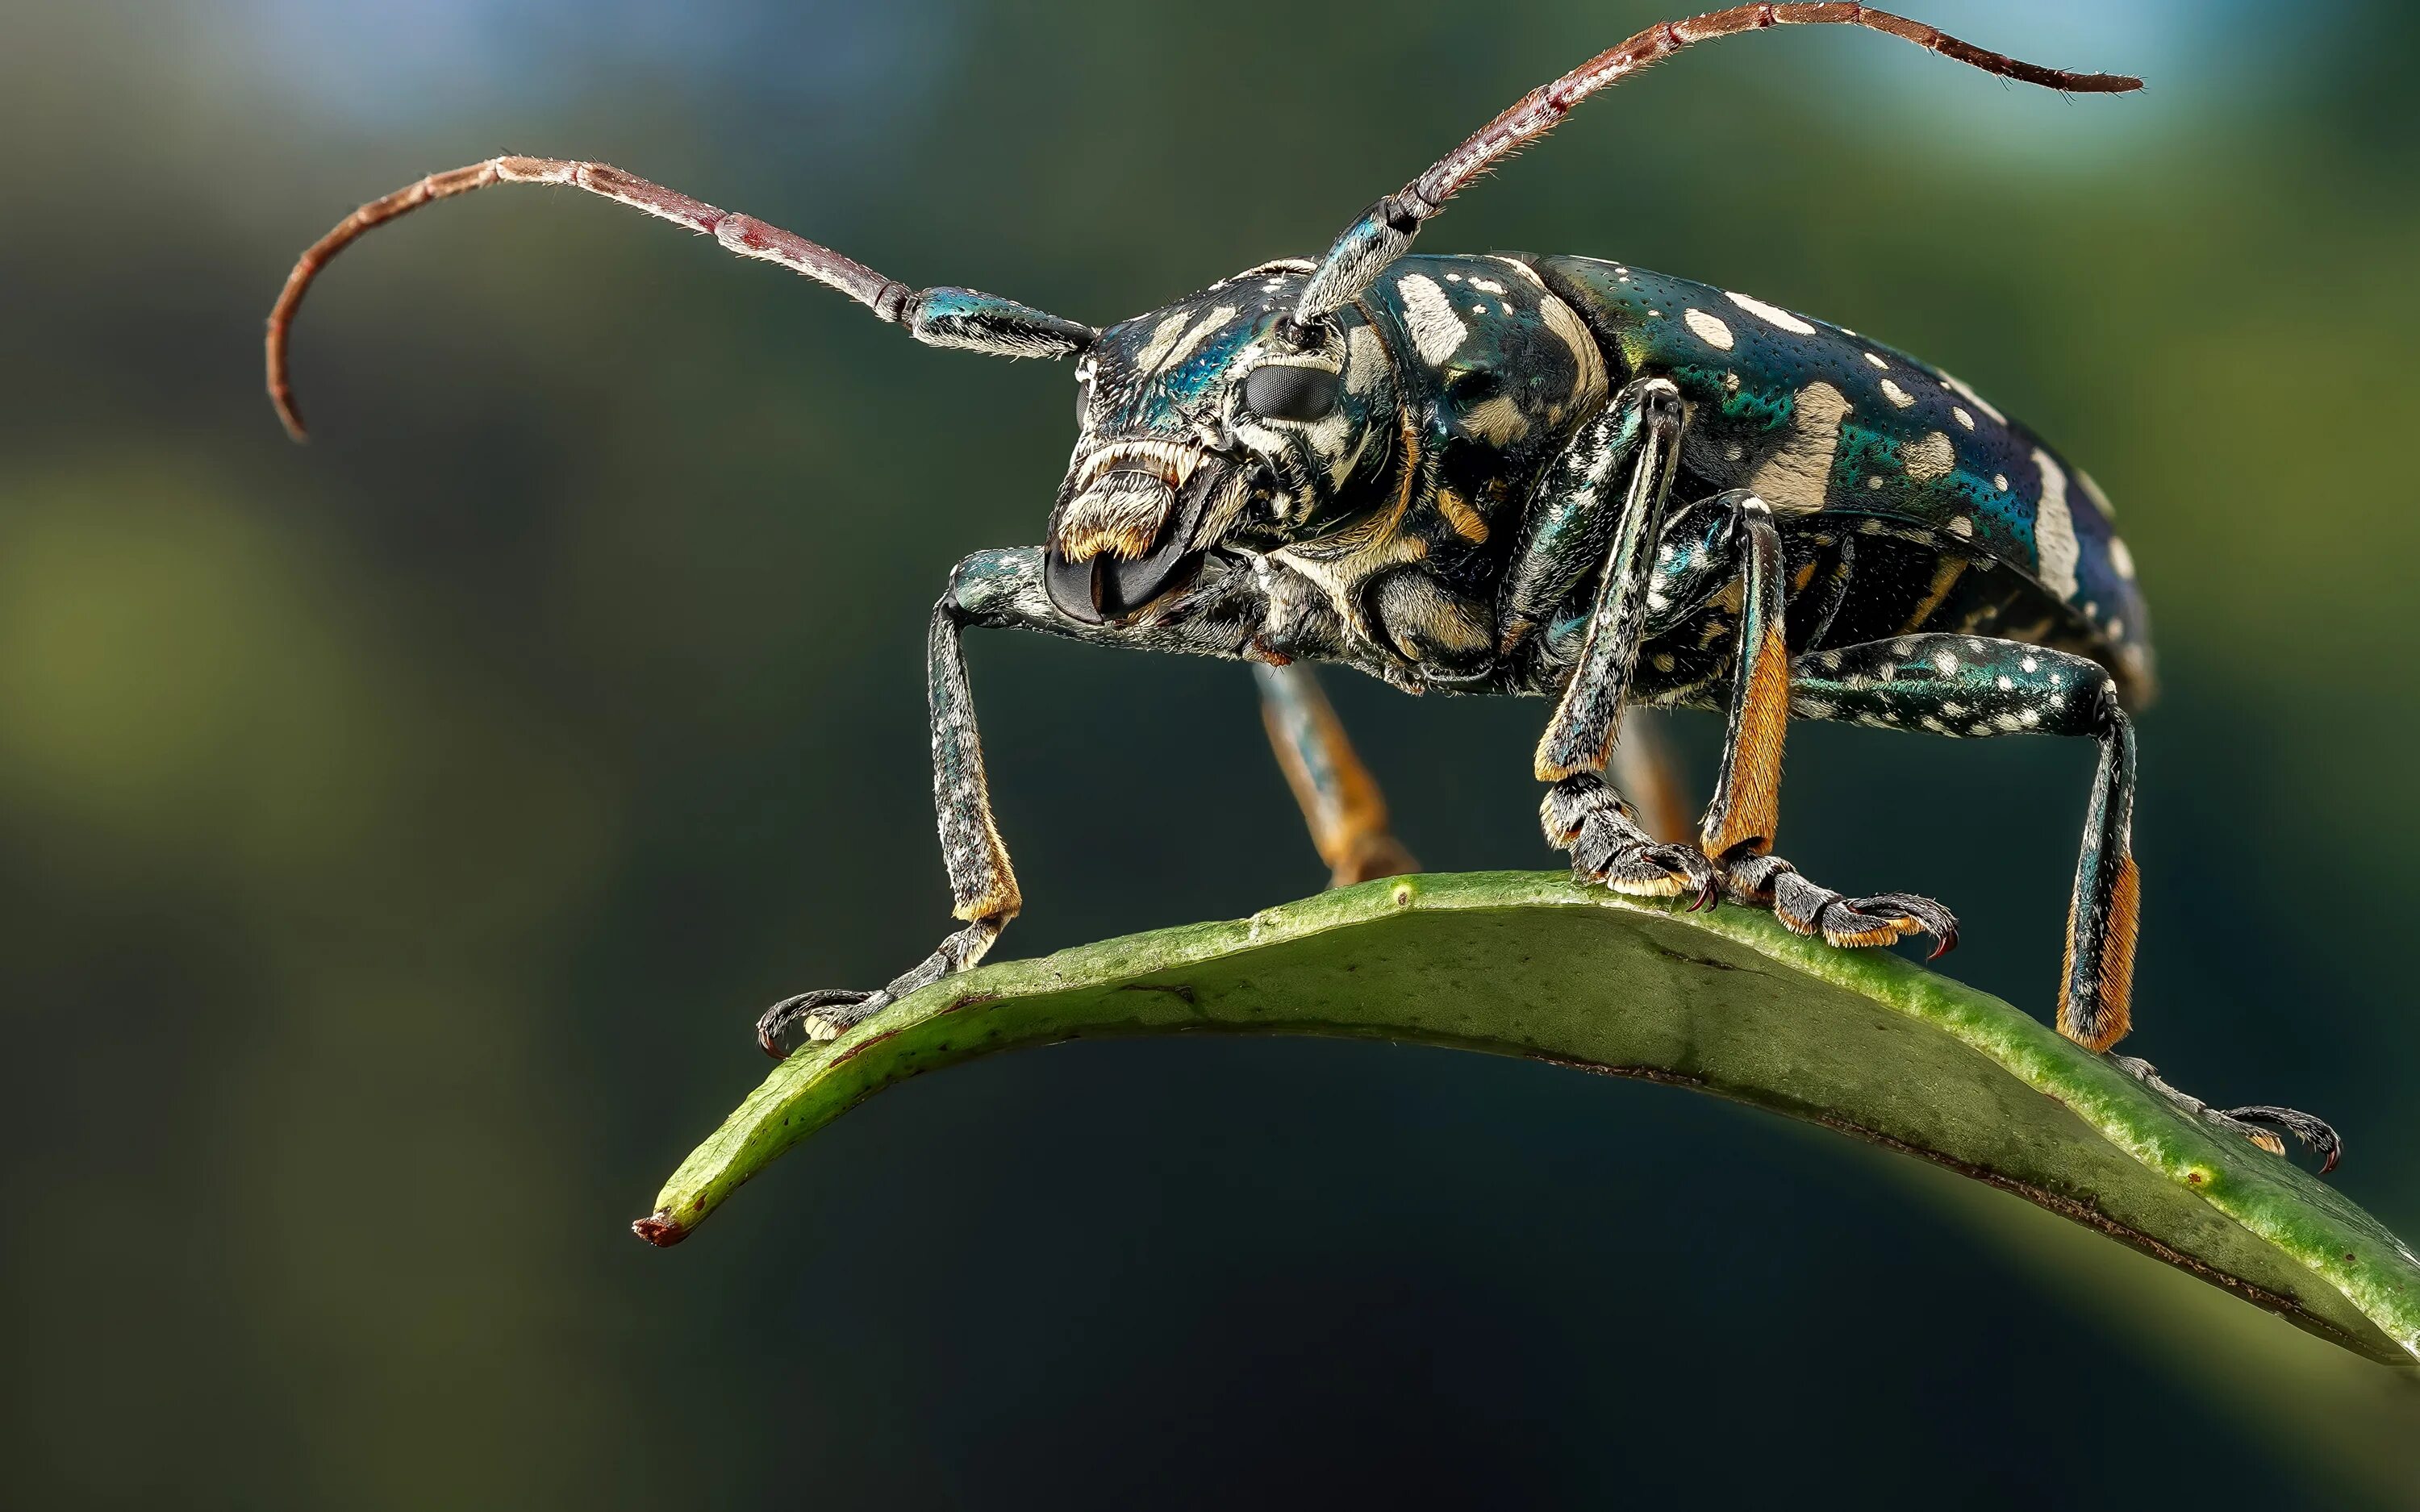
point(1214, 422)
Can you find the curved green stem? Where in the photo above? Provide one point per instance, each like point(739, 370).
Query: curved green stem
point(1727, 1002)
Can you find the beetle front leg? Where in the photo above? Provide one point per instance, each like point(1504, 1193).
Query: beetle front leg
point(1582, 814)
point(1002, 590)
point(983, 885)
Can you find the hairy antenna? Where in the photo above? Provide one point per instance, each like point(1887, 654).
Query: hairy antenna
point(1386, 232)
point(958, 317)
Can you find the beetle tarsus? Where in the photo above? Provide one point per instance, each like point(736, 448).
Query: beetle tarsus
point(1586, 817)
point(2315, 1134)
point(1837, 920)
point(825, 1013)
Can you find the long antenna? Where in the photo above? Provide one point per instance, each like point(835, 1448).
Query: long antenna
point(957, 317)
point(1386, 232)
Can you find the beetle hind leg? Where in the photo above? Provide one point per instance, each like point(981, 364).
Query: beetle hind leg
point(2258, 1123)
point(1953, 684)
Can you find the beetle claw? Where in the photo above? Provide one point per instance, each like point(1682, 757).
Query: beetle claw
point(826, 1014)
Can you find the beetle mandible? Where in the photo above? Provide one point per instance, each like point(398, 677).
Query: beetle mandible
point(1545, 475)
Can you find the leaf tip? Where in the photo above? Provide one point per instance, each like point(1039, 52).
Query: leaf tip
point(661, 1228)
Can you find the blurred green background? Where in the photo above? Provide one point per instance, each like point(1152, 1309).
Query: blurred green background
point(399, 834)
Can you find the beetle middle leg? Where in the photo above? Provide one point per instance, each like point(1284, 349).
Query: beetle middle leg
point(1340, 799)
point(1730, 542)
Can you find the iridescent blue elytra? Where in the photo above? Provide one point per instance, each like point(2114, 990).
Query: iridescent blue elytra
point(1816, 417)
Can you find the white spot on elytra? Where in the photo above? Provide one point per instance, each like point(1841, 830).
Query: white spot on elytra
point(1771, 315)
point(2054, 540)
point(1963, 528)
point(2000, 481)
point(2092, 491)
point(2030, 664)
point(1896, 394)
point(2122, 559)
point(1930, 459)
point(1875, 358)
point(1708, 330)
point(1438, 332)
point(1958, 413)
point(1947, 662)
point(1487, 285)
point(1975, 399)
point(1795, 477)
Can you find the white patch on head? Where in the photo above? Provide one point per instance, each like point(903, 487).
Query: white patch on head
point(1875, 358)
point(1930, 459)
point(1498, 422)
point(1958, 413)
point(1896, 394)
point(2055, 528)
point(1771, 315)
point(1708, 330)
point(1163, 336)
point(2122, 559)
point(1200, 332)
point(1975, 399)
point(1365, 359)
point(1438, 332)
point(1327, 438)
point(1795, 478)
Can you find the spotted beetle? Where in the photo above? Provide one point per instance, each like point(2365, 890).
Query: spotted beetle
point(1545, 475)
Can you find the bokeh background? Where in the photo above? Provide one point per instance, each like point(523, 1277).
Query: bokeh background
point(399, 835)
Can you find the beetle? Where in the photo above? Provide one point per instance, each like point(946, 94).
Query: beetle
point(1553, 476)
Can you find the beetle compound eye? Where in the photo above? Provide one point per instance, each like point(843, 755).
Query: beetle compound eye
point(1292, 392)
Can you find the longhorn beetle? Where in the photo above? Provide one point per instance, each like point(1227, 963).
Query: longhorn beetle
point(1554, 476)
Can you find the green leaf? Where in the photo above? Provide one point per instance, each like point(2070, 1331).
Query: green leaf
point(1727, 1002)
